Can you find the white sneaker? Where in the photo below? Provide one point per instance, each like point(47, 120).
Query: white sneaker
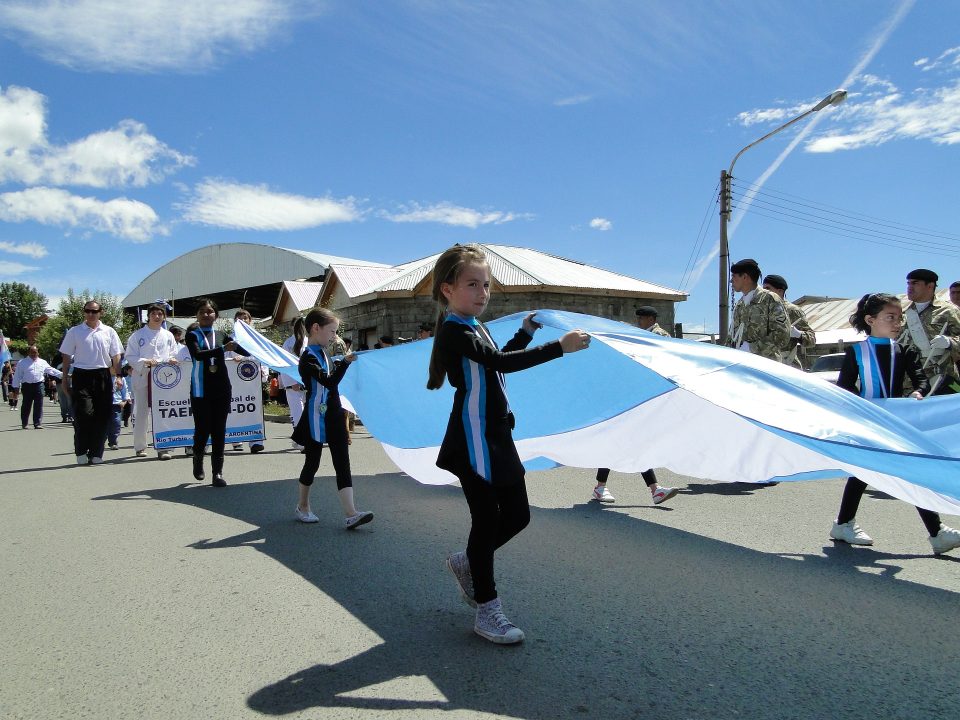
point(355, 521)
point(945, 540)
point(601, 494)
point(295, 445)
point(82, 460)
point(851, 533)
point(164, 455)
point(306, 517)
point(459, 566)
point(663, 494)
point(493, 625)
point(141, 453)
point(96, 461)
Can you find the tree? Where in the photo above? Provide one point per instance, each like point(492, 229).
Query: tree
point(19, 304)
point(70, 312)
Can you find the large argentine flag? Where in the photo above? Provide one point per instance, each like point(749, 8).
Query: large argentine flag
point(635, 400)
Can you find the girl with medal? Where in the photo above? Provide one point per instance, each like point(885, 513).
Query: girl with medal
point(322, 421)
point(875, 368)
point(478, 446)
point(210, 390)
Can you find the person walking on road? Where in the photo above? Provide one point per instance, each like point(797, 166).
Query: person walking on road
point(92, 350)
point(28, 380)
point(478, 445)
point(876, 368)
point(149, 346)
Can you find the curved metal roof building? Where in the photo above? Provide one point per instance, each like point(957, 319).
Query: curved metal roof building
point(246, 275)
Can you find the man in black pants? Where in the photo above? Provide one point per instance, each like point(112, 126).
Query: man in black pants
point(93, 349)
point(28, 381)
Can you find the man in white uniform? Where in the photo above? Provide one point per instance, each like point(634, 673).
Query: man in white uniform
point(148, 346)
point(93, 349)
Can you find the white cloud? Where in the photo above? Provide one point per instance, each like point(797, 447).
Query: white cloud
point(925, 115)
point(223, 203)
point(877, 112)
point(949, 58)
point(573, 100)
point(128, 219)
point(34, 250)
point(14, 268)
point(599, 223)
point(147, 35)
point(123, 156)
point(449, 214)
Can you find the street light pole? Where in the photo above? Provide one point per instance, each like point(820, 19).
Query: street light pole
point(834, 98)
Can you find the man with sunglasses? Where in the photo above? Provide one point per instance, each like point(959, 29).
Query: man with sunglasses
point(93, 350)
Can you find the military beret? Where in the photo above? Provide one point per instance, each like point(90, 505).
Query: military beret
point(928, 276)
point(776, 281)
point(647, 310)
point(745, 266)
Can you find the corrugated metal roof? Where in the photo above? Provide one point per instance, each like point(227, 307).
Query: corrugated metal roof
point(834, 313)
point(303, 294)
point(357, 281)
point(519, 267)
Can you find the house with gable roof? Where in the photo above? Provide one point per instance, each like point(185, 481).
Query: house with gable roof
point(373, 301)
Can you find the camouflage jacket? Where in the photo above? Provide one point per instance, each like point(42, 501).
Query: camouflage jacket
point(797, 319)
point(762, 323)
point(938, 318)
point(657, 330)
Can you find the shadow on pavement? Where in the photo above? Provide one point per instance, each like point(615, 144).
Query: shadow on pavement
point(623, 618)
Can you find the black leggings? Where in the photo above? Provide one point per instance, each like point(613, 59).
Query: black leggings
point(851, 501)
point(341, 462)
point(649, 477)
point(210, 422)
point(497, 513)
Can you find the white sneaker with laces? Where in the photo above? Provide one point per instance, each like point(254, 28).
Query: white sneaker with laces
point(601, 494)
point(663, 494)
point(306, 517)
point(355, 521)
point(82, 460)
point(850, 532)
point(493, 625)
point(459, 566)
point(945, 540)
point(141, 453)
point(96, 460)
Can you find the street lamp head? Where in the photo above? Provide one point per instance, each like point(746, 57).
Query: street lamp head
point(834, 98)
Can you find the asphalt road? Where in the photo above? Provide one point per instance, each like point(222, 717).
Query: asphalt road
point(129, 591)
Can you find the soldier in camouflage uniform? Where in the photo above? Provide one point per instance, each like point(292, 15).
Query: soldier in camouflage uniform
point(647, 320)
point(932, 327)
point(760, 322)
point(801, 334)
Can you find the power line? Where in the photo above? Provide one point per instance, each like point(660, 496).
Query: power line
point(705, 224)
point(848, 214)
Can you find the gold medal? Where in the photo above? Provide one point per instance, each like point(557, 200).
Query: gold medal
point(213, 368)
point(322, 408)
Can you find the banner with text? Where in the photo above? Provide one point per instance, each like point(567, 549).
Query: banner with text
point(170, 404)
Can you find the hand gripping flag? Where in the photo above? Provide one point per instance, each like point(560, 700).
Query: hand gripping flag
point(635, 400)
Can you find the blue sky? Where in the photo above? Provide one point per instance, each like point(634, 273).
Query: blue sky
point(131, 133)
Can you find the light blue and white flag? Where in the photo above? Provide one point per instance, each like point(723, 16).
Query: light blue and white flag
point(267, 352)
point(4, 350)
point(635, 400)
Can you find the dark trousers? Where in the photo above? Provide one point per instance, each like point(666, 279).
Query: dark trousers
point(851, 501)
point(649, 477)
point(92, 407)
point(210, 423)
point(341, 462)
point(32, 394)
point(497, 514)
